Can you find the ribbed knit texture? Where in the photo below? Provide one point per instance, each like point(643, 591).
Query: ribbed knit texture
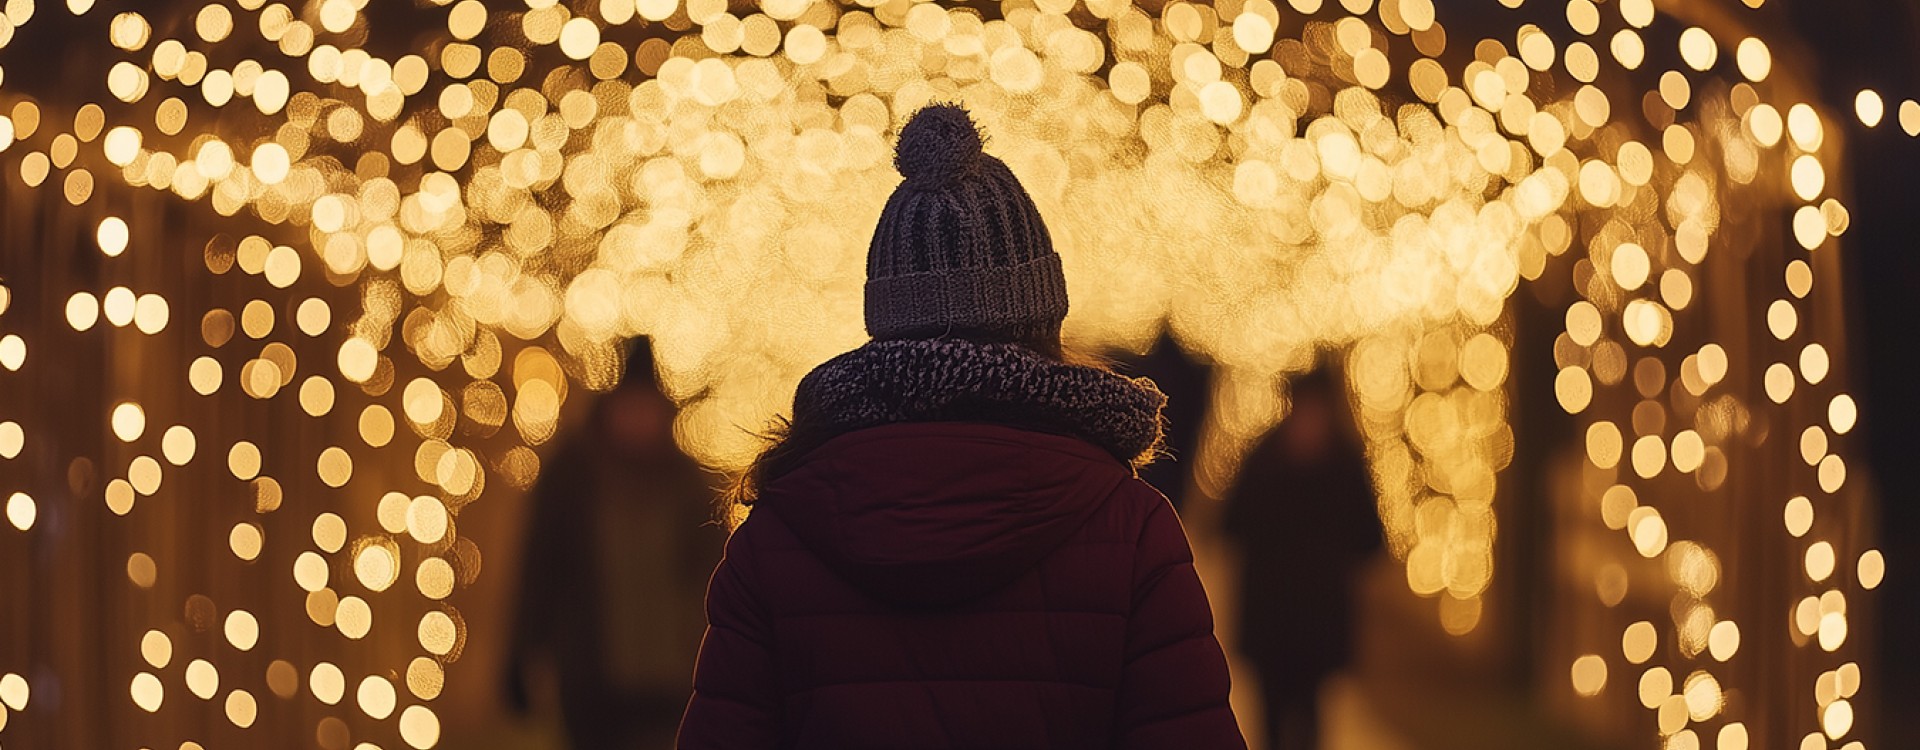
point(960, 247)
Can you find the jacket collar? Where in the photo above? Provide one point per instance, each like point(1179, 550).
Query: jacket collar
point(953, 380)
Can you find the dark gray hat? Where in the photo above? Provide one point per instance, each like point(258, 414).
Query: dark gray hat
point(960, 249)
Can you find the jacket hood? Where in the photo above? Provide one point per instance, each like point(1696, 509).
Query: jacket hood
point(933, 514)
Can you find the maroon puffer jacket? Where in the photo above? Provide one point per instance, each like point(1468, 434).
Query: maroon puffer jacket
point(959, 585)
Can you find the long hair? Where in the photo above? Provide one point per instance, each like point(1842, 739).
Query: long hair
point(788, 442)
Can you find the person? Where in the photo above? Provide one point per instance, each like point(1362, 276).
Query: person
point(618, 547)
point(948, 546)
point(1302, 514)
point(1189, 389)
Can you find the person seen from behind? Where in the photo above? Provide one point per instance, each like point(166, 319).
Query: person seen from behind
point(1302, 515)
point(949, 546)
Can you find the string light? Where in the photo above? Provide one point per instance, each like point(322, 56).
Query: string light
point(480, 201)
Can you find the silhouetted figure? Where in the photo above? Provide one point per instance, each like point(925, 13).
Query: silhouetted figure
point(1188, 385)
point(948, 547)
point(619, 546)
point(1303, 515)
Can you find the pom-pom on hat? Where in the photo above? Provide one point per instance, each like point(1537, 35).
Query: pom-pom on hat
point(960, 249)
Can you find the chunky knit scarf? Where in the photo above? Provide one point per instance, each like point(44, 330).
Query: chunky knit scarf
point(888, 382)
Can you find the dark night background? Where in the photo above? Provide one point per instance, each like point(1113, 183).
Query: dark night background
point(1872, 45)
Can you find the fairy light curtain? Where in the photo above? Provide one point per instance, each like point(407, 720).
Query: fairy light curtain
point(284, 306)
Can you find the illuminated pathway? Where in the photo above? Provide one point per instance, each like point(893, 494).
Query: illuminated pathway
point(297, 293)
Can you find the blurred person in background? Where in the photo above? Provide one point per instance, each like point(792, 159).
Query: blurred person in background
point(949, 547)
point(1188, 386)
point(1302, 517)
point(619, 543)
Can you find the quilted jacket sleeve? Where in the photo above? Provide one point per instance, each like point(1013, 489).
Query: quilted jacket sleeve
point(1173, 693)
point(736, 699)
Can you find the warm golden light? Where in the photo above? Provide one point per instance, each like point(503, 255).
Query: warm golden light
point(1733, 736)
point(434, 578)
point(419, 727)
point(1779, 382)
point(13, 351)
point(1842, 413)
point(328, 683)
point(353, 617)
point(1574, 388)
point(202, 679)
point(150, 313)
point(122, 144)
point(242, 710)
point(147, 692)
point(204, 375)
point(335, 467)
point(129, 421)
point(310, 571)
point(156, 648)
point(242, 629)
point(1648, 531)
point(245, 540)
point(1649, 456)
point(1723, 641)
point(243, 459)
point(1832, 473)
point(1803, 124)
point(437, 633)
point(1698, 48)
point(1813, 363)
point(1459, 616)
point(112, 236)
point(141, 570)
point(1616, 505)
point(21, 511)
point(177, 444)
point(1819, 561)
point(316, 396)
point(376, 567)
point(1832, 631)
point(1589, 674)
point(425, 678)
point(1813, 445)
point(1837, 719)
point(1799, 516)
point(1871, 569)
point(129, 31)
point(1656, 686)
point(1703, 696)
point(1630, 266)
point(144, 474)
point(329, 532)
point(1647, 323)
point(1754, 59)
point(1809, 178)
point(313, 316)
point(426, 520)
point(357, 358)
point(83, 310)
point(282, 678)
point(475, 226)
point(376, 697)
point(1868, 107)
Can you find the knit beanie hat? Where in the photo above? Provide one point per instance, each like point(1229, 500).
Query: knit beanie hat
point(960, 247)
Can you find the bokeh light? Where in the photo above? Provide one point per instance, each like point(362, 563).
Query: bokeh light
point(439, 252)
